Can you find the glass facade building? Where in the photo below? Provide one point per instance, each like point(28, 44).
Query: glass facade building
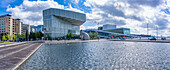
point(125, 31)
point(59, 22)
point(40, 28)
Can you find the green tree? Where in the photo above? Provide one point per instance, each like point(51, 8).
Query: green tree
point(32, 36)
point(38, 35)
point(91, 35)
point(22, 36)
point(41, 35)
point(4, 38)
point(9, 37)
point(71, 35)
point(96, 33)
point(48, 36)
point(14, 37)
point(68, 35)
point(27, 35)
point(18, 35)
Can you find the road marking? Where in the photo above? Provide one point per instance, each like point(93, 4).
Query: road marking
point(12, 44)
point(12, 47)
point(15, 51)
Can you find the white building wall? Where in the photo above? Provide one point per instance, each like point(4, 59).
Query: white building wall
point(20, 28)
point(109, 27)
point(11, 26)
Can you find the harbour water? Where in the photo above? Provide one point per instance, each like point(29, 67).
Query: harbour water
point(101, 55)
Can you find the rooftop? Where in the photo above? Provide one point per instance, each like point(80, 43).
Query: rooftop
point(72, 17)
point(5, 15)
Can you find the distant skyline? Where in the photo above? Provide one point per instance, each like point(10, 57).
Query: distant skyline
point(133, 14)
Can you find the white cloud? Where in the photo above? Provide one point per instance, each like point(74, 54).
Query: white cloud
point(131, 14)
point(74, 9)
point(82, 27)
point(87, 4)
point(30, 12)
point(92, 27)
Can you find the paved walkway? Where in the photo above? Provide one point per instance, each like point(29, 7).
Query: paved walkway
point(6, 43)
point(13, 56)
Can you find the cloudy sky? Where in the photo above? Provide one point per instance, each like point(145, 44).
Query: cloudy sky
point(133, 14)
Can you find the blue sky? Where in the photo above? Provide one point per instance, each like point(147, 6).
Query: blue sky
point(133, 14)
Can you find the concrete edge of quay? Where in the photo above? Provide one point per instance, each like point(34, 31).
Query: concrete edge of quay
point(12, 44)
point(72, 41)
point(76, 41)
point(25, 59)
point(154, 41)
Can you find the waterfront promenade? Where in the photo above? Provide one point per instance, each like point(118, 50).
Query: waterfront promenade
point(12, 56)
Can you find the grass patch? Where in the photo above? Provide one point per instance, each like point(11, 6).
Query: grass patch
point(4, 42)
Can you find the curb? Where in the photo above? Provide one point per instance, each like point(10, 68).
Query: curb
point(19, 64)
point(74, 41)
point(143, 41)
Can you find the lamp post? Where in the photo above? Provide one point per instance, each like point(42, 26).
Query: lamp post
point(157, 31)
point(64, 34)
point(147, 29)
point(98, 31)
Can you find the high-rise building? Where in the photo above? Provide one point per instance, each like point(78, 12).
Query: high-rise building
point(18, 26)
point(59, 22)
point(9, 25)
point(6, 24)
point(39, 28)
point(33, 28)
point(26, 27)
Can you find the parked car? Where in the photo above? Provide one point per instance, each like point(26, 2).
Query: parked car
point(163, 38)
point(153, 38)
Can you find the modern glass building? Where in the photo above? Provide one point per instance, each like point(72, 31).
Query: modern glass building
point(39, 28)
point(107, 34)
point(59, 22)
point(112, 28)
point(125, 31)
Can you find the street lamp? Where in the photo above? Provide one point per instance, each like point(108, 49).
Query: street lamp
point(147, 29)
point(98, 31)
point(157, 31)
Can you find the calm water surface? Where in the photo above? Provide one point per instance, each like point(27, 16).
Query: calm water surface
point(106, 55)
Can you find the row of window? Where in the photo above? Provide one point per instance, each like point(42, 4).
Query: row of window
point(2, 25)
point(64, 13)
point(2, 20)
point(2, 30)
